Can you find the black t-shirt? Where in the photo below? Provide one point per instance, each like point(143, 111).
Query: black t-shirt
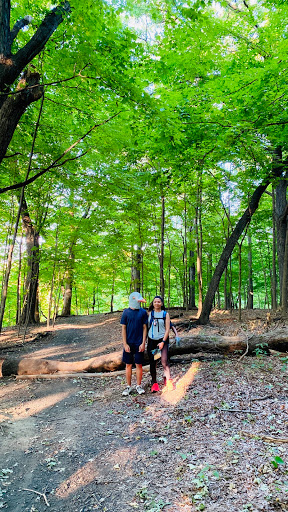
point(134, 319)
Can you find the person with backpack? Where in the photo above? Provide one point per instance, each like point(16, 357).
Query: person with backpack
point(158, 340)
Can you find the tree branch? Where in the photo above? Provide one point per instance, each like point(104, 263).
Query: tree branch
point(5, 46)
point(18, 26)
point(10, 70)
point(53, 165)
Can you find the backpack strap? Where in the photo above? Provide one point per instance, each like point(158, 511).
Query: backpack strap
point(152, 317)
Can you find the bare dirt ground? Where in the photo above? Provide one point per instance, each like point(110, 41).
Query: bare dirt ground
point(219, 442)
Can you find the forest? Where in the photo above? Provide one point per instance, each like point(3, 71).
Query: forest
point(143, 146)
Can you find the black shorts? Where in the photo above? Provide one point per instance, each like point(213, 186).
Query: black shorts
point(133, 355)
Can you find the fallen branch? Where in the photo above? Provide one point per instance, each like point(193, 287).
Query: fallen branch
point(40, 494)
point(261, 398)
point(238, 410)
point(267, 439)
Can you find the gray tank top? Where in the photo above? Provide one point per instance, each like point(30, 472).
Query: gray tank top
point(157, 329)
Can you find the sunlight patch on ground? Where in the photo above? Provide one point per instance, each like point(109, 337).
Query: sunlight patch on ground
point(32, 407)
point(83, 476)
point(92, 471)
point(62, 327)
point(173, 397)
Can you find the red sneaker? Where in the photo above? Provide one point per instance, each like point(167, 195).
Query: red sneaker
point(155, 388)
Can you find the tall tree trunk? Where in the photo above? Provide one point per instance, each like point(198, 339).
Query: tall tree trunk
point(30, 312)
point(281, 226)
point(192, 275)
point(19, 305)
point(68, 280)
point(284, 303)
point(162, 282)
point(199, 245)
point(50, 300)
point(274, 254)
point(93, 301)
point(185, 261)
point(240, 283)
point(8, 270)
point(112, 293)
point(136, 269)
point(76, 300)
point(169, 275)
point(250, 275)
point(234, 237)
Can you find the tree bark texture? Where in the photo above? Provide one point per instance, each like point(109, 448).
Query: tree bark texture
point(12, 65)
point(274, 257)
point(192, 274)
point(281, 227)
point(30, 313)
point(13, 105)
point(112, 362)
point(250, 275)
point(67, 297)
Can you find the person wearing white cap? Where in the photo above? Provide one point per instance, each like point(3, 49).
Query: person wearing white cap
point(134, 332)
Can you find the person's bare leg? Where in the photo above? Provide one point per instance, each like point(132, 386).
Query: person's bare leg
point(139, 373)
point(128, 374)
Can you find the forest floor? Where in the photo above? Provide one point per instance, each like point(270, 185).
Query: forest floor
point(218, 442)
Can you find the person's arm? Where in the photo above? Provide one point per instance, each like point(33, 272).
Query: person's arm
point(142, 346)
point(124, 339)
point(174, 330)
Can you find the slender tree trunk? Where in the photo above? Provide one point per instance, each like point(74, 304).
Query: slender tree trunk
point(19, 305)
point(136, 270)
point(192, 275)
point(30, 313)
point(169, 275)
point(76, 300)
point(281, 226)
point(162, 282)
point(93, 301)
point(264, 266)
point(69, 280)
point(112, 293)
point(231, 242)
point(7, 273)
point(226, 305)
point(52, 279)
point(199, 244)
point(274, 255)
point(250, 275)
point(285, 276)
point(240, 283)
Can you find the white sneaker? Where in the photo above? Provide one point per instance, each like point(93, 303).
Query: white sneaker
point(140, 390)
point(127, 391)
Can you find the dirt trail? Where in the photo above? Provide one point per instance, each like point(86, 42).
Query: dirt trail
point(85, 447)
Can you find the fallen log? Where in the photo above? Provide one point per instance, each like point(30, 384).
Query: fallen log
point(113, 361)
